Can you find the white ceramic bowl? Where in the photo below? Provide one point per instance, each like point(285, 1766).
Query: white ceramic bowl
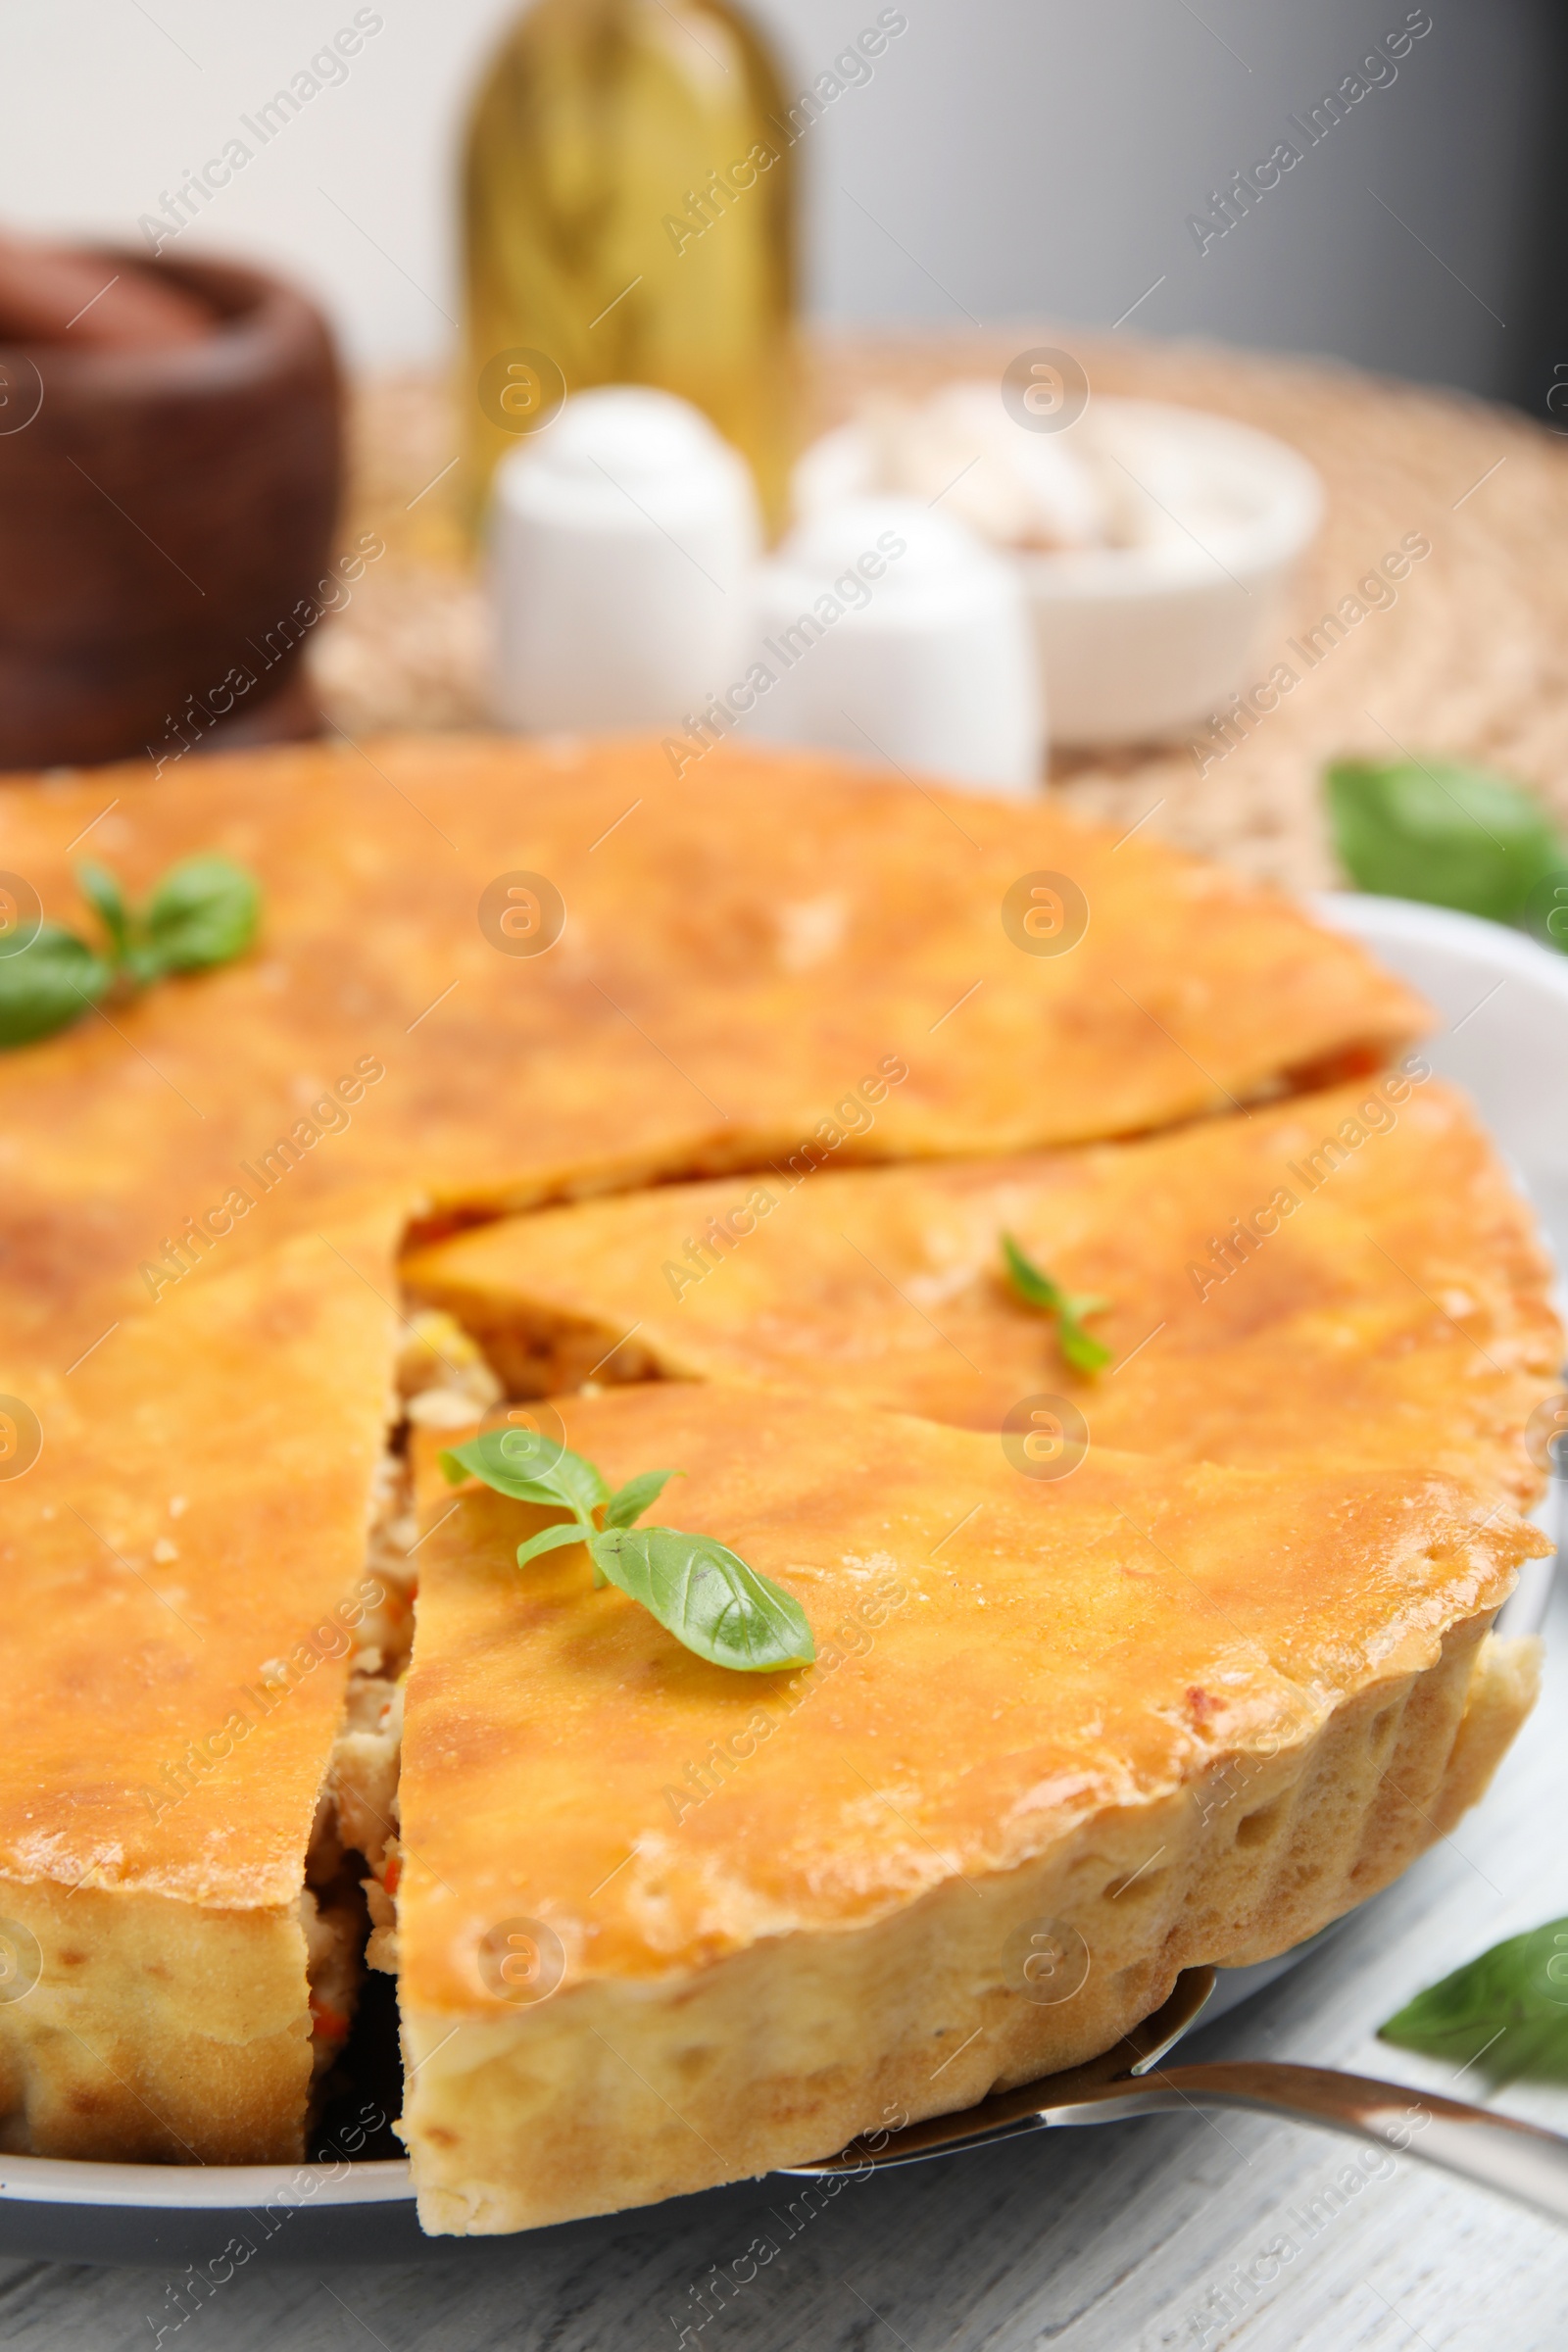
point(1143, 642)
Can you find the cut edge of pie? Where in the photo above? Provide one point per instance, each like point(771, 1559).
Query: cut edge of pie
point(1349, 1272)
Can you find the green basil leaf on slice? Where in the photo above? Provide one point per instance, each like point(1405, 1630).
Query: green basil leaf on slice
point(706, 1597)
point(530, 1467)
point(1449, 835)
point(1081, 1348)
point(1035, 1287)
point(107, 899)
point(49, 985)
point(553, 1538)
point(1506, 2011)
point(204, 911)
point(638, 1494)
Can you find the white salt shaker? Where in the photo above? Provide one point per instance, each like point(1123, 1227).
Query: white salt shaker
point(893, 631)
point(621, 543)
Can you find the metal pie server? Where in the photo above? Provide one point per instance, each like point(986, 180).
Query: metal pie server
point(1518, 2159)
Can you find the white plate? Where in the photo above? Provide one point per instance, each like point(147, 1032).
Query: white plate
point(1503, 1002)
point(1139, 643)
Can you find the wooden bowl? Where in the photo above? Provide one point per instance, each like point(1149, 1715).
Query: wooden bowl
point(167, 517)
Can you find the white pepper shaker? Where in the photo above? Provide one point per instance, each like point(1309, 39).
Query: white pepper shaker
point(622, 540)
point(895, 632)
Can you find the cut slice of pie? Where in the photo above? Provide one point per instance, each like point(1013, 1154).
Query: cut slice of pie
point(186, 1587)
point(663, 1925)
point(1349, 1272)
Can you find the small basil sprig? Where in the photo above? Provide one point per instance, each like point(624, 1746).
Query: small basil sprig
point(204, 911)
point(1081, 1348)
point(1506, 2011)
point(698, 1589)
point(1449, 835)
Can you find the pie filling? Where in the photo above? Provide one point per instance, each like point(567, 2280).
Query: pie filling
point(351, 1873)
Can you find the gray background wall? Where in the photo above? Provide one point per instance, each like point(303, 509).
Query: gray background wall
point(1009, 158)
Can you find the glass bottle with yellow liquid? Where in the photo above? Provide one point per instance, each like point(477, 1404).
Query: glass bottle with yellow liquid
point(629, 219)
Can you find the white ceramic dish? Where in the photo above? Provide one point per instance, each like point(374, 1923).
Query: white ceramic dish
point(1141, 643)
point(933, 669)
point(620, 543)
point(1504, 1005)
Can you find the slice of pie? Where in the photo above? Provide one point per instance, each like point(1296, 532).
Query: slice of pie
point(188, 1585)
point(663, 1925)
point(1347, 1272)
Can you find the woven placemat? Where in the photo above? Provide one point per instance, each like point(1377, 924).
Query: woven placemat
point(1471, 661)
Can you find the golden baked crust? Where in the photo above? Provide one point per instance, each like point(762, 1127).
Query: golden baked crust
point(743, 949)
point(773, 960)
point(184, 1569)
point(1181, 1713)
point(1347, 1272)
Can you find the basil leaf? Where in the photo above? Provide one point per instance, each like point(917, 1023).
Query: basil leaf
point(1506, 2011)
point(638, 1494)
point(1449, 835)
point(696, 1587)
point(1032, 1286)
point(1080, 1347)
point(49, 984)
point(529, 1467)
point(204, 911)
point(551, 1539)
point(107, 899)
point(702, 1593)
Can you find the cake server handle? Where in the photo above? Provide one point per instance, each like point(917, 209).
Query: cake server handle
point(1520, 2159)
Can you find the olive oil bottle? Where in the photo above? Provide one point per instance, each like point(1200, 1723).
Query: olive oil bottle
point(629, 219)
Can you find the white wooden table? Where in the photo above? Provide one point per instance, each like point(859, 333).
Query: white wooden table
point(1167, 2235)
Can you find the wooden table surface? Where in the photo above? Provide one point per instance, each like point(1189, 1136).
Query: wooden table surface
point(1170, 2232)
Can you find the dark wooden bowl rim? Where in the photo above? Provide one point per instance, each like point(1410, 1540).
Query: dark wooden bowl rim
point(257, 313)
